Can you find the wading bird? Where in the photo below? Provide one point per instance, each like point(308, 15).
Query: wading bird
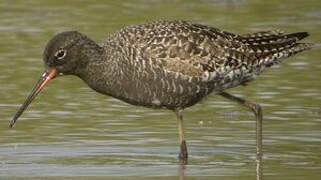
point(168, 64)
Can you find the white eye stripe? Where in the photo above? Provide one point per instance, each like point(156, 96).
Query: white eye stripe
point(60, 54)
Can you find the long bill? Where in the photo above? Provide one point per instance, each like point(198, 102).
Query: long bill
point(48, 75)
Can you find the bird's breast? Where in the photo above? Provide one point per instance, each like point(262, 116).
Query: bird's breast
point(151, 87)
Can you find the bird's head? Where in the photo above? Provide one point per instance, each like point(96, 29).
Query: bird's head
point(66, 53)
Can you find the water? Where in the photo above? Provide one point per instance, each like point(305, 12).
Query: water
point(71, 132)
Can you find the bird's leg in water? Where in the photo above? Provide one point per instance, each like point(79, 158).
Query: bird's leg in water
point(256, 108)
point(183, 155)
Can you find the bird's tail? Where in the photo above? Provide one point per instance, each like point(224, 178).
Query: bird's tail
point(271, 47)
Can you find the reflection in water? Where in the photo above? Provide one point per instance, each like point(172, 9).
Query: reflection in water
point(259, 167)
point(181, 168)
point(181, 171)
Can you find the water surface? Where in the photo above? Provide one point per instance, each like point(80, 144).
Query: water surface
point(71, 132)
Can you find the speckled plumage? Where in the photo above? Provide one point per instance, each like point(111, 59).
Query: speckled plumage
point(168, 64)
point(174, 64)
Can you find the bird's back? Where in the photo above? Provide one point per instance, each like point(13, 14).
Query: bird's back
point(176, 63)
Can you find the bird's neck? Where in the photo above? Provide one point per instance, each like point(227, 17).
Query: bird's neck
point(101, 71)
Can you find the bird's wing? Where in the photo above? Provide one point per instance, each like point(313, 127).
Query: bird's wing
point(201, 51)
point(189, 49)
point(272, 46)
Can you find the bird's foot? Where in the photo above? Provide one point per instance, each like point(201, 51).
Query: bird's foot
point(183, 155)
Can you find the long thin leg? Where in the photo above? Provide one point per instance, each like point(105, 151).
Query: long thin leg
point(256, 108)
point(183, 155)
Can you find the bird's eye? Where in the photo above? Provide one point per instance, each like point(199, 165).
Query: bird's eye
point(60, 54)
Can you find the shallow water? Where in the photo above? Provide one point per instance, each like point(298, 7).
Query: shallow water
point(71, 132)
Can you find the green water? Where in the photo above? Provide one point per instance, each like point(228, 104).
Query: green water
point(71, 132)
